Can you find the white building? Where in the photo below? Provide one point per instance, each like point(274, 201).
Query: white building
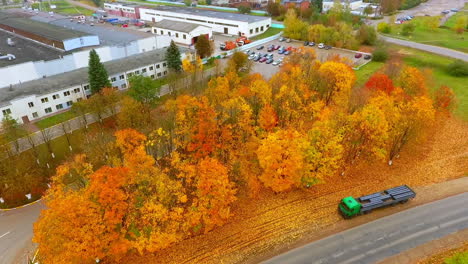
point(181, 32)
point(220, 22)
point(40, 98)
point(352, 4)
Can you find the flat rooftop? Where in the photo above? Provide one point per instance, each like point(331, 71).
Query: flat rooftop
point(177, 25)
point(209, 13)
point(42, 29)
point(26, 50)
point(77, 77)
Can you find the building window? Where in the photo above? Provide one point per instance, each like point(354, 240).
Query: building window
point(67, 93)
point(86, 87)
point(31, 104)
point(113, 79)
point(35, 115)
point(157, 66)
point(176, 35)
point(137, 72)
point(143, 70)
point(164, 64)
point(256, 30)
point(267, 26)
point(151, 68)
point(59, 106)
point(69, 103)
point(76, 90)
point(55, 96)
point(6, 111)
point(129, 74)
point(184, 36)
point(159, 74)
point(45, 100)
point(251, 31)
point(48, 110)
point(152, 76)
point(261, 28)
point(165, 72)
point(169, 33)
point(121, 77)
point(124, 86)
point(162, 32)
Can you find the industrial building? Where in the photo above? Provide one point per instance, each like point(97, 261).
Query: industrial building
point(123, 10)
point(39, 98)
point(351, 4)
point(54, 36)
point(182, 32)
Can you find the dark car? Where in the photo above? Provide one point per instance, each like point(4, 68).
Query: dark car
point(367, 57)
point(257, 58)
point(327, 47)
point(358, 55)
point(260, 47)
point(270, 60)
point(311, 44)
point(277, 47)
point(306, 43)
point(263, 59)
point(270, 49)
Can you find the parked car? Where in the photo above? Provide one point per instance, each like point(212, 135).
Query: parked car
point(277, 47)
point(263, 59)
point(311, 44)
point(276, 63)
point(281, 50)
point(257, 58)
point(269, 61)
point(306, 43)
point(321, 46)
point(327, 47)
point(454, 9)
point(288, 40)
point(282, 39)
point(270, 49)
point(260, 47)
point(367, 57)
point(251, 57)
point(287, 52)
point(445, 12)
point(358, 55)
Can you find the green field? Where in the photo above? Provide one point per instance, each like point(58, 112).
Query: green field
point(443, 36)
point(450, 23)
point(437, 64)
point(55, 119)
point(63, 7)
point(270, 32)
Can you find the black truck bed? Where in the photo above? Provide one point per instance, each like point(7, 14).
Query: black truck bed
point(387, 197)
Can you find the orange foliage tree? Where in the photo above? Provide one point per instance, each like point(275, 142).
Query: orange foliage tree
point(380, 82)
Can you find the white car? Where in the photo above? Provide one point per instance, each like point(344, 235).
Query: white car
point(321, 46)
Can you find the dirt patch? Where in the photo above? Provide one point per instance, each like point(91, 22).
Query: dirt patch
point(272, 224)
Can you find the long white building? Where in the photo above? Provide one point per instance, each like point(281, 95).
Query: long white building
point(220, 22)
point(36, 99)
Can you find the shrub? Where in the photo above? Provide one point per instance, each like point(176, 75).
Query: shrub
point(407, 29)
point(459, 258)
point(244, 9)
point(458, 68)
point(380, 54)
point(366, 35)
point(384, 27)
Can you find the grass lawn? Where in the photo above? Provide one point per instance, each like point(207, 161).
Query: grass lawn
point(270, 32)
point(443, 36)
point(56, 119)
point(450, 23)
point(366, 71)
point(63, 7)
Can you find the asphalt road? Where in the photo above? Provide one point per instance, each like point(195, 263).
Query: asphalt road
point(16, 231)
point(386, 236)
point(434, 49)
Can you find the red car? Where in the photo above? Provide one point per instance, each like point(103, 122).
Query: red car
point(124, 25)
point(289, 48)
point(358, 55)
point(263, 59)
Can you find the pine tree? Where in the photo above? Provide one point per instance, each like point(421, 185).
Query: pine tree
point(173, 58)
point(203, 47)
point(97, 74)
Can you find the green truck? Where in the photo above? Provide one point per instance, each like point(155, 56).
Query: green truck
point(350, 207)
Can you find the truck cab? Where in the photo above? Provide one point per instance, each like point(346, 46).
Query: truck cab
point(349, 207)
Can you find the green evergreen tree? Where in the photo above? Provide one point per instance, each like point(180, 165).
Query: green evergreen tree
point(97, 74)
point(319, 5)
point(174, 62)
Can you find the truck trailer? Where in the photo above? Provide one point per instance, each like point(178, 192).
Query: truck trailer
point(350, 207)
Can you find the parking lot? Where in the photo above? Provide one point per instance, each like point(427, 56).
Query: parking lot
point(268, 70)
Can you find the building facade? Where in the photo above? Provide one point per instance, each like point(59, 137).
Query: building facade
point(352, 4)
point(123, 10)
point(181, 32)
point(45, 97)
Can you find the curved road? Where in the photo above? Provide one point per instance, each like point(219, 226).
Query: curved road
point(434, 49)
point(16, 230)
point(386, 236)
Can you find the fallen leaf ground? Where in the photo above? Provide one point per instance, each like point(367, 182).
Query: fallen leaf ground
point(272, 223)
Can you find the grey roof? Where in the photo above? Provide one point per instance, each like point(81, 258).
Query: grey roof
point(210, 13)
point(42, 29)
point(177, 25)
point(80, 76)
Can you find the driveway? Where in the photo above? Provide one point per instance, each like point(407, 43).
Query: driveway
point(385, 237)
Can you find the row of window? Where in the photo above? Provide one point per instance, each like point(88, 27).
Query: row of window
point(256, 29)
point(47, 110)
point(55, 96)
point(170, 34)
point(192, 19)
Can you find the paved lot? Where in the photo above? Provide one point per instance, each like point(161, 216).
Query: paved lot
point(433, 8)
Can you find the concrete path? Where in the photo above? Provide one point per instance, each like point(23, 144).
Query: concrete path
point(434, 49)
point(385, 237)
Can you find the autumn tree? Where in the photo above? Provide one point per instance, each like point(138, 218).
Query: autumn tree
point(294, 27)
point(380, 82)
point(444, 99)
point(432, 23)
point(336, 82)
point(132, 114)
point(268, 118)
point(412, 81)
point(12, 131)
point(203, 46)
point(461, 24)
point(239, 62)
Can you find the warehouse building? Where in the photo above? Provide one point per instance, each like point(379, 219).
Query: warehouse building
point(182, 32)
point(58, 37)
point(351, 4)
point(123, 10)
point(40, 98)
point(220, 22)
